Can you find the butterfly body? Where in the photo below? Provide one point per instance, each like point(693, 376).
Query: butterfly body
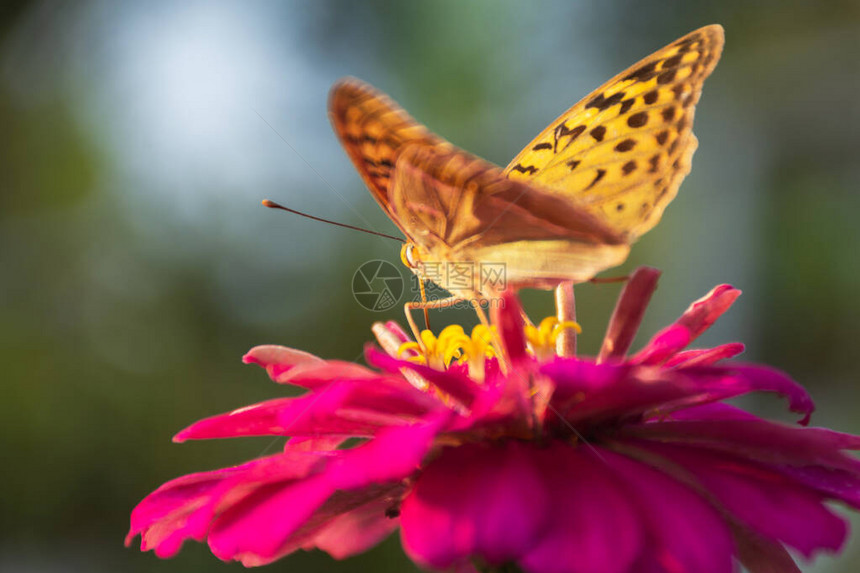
point(567, 207)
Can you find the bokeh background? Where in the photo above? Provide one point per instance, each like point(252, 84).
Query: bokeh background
point(137, 265)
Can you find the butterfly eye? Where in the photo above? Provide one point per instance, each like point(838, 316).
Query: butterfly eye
point(409, 256)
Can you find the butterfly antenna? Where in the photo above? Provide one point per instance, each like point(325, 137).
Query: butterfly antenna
point(273, 205)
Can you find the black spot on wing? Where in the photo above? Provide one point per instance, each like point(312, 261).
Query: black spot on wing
point(672, 62)
point(642, 73)
point(650, 97)
point(598, 132)
point(666, 77)
point(562, 131)
point(628, 168)
point(573, 163)
point(528, 169)
point(598, 177)
point(626, 105)
point(626, 145)
point(601, 103)
point(540, 146)
point(638, 119)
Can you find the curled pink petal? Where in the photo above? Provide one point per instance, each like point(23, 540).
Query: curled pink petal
point(277, 360)
point(628, 314)
point(695, 320)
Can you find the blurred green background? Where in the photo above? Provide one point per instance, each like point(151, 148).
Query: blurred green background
point(137, 265)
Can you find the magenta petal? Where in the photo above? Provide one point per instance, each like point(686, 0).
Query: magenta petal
point(684, 533)
point(257, 420)
point(593, 526)
point(594, 393)
point(831, 482)
point(255, 530)
point(348, 522)
point(183, 508)
point(394, 454)
point(766, 501)
point(705, 356)
point(759, 554)
point(508, 319)
point(355, 531)
point(489, 501)
point(458, 386)
point(757, 439)
point(695, 320)
point(628, 314)
point(711, 411)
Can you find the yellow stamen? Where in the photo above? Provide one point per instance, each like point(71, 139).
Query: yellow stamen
point(452, 346)
point(541, 339)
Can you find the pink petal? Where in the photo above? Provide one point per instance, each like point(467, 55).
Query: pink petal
point(356, 531)
point(255, 529)
point(716, 383)
point(595, 393)
point(475, 499)
point(460, 387)
point(278, 359)
point(684, 533)
point(184, 507)
point(391, 337)
point(356, 408)
point(393, 454)
point(695, 320)
point(768, 442)
point(766, 501)
point(628, 314)
point(759, 554)
point(314, 444)
point(508, 319)
point(705, 356)
point(710, 411)
point(347, 523)
point(288, 366)
point(594, 527)
point(830, 482)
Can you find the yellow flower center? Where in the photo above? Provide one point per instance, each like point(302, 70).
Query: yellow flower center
point(453, 345)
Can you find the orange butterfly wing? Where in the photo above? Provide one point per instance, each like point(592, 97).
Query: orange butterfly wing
point(372, 129)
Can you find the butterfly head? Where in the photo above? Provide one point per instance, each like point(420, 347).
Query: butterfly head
point(411, 256)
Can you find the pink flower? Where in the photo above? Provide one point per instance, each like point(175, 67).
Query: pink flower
point(611, 464)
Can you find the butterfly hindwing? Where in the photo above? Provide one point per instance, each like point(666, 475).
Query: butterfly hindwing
point(623, 150)
point(460, 209)
point(372, 129)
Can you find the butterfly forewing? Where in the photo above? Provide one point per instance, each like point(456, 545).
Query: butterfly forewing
point(623, 150)
point(372, 129)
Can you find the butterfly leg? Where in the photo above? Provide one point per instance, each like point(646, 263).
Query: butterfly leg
point(426, 305)
point(608, 280)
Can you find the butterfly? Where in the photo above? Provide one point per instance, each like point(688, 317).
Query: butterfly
point(567, 207)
